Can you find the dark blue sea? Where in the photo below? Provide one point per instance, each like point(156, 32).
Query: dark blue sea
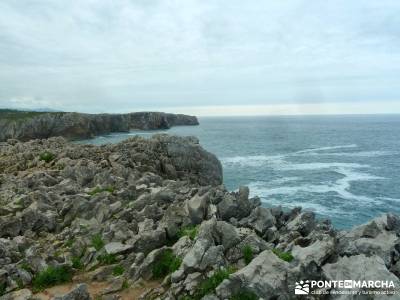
point(346, 168)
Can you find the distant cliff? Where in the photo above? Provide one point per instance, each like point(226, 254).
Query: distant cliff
point(32, 125)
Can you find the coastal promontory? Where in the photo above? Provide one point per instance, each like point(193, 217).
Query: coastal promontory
point(26, 125)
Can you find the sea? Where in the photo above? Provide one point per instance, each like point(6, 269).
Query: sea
point(345, 168)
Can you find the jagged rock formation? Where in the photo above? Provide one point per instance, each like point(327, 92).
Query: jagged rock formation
point(81, 126)
point(96, 210)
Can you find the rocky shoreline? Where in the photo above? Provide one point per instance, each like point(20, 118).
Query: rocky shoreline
point(25, 126)
point(155, 210)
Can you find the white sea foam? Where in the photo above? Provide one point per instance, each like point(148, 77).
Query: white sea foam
point(341, 187)
point(327, 148)
point(354, 154)
point(252, 160)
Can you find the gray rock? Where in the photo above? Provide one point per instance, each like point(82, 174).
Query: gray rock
point(317, 252)
point(23, 294)
point(117, 248)
point(80, 292)
point(303, 223)
point(359, 267)
point(260, 219)
point(370, 239)
point(265, 276)
point(197, 208)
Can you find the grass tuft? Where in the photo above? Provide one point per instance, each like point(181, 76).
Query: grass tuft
point(98, 190)
point(77, 263)
point(189, 231)
point(107, 259)
point(247, 254)
point(2, 289)
point(118, 270)
point(209, 285)
point(167, 264)
point(97, 242)
point(244, 295)
point(46, 156)
point(286, 256)
point(51, 276)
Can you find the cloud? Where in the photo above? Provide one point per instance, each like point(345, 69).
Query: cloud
point(148, 54)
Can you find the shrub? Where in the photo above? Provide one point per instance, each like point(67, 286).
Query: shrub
point(69, 243)
point(167, 264)
point(118, 270)
point(51, 276)
point(107, 259)
point(125, 285)
point(247, 254)
point(98, 190)
point(25, 266)
point(97, 242)
point(286, 256)
point(208, 285)
point(77, 263)
point(190, 231)
point(244, 295)
point(47, 156)
point(2, 289)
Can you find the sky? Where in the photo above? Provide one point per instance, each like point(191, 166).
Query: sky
point(204, 57)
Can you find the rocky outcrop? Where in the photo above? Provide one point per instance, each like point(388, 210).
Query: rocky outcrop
point(156, 208)
point(74, 126)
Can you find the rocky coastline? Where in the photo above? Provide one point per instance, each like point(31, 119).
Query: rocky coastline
point(152, 215)
point(25, 126)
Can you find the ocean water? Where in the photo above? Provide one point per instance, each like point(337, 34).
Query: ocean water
point(346, 168)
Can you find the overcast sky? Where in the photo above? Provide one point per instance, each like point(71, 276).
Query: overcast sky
point(204, 57)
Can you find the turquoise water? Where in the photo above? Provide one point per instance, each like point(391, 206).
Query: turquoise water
point(345, 168)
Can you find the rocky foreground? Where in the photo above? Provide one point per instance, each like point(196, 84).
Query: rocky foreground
point(152, 216)
point(25, 126)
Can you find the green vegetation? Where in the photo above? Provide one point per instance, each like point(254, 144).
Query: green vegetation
point(125, 285)
point(107, 259)
point(51, 276)
point(97, 242)
point(167, 264)
point(47, 156)
point(118, 270)
point(25, 266)
point(247, 254)
point(20, 283)
point(208, 285)
point(2, 289)
point(189, 231)
point(69, 243)
point(98, 190)
point(16, 115)
point(244, 295)
point(286, 256)
point(77, 263)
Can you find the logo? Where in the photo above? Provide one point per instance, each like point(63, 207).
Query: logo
point(302, 287)
point(345, 287)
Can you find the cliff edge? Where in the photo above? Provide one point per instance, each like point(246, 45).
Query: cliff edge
point(149, 219)
point(25, 126)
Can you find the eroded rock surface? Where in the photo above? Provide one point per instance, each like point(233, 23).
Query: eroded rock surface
point(115, 212)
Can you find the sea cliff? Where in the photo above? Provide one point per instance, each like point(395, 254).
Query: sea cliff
point(25, 126)
point(150, 219)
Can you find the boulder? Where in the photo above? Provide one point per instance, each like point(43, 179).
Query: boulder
point(80, 292)
point(197, 208)
point(360, 267)
point(117, 248)
point(265, 276)
point(370, 239)
point(260, 220)
point(23, 294)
